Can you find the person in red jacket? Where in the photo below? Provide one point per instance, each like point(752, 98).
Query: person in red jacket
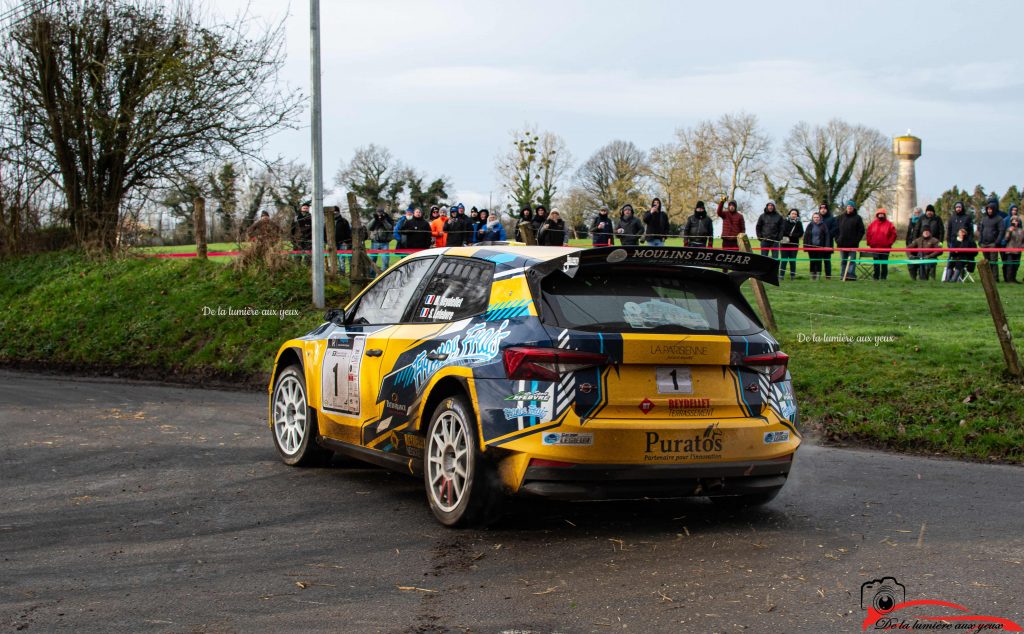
point(881, 235)
point(732, 224)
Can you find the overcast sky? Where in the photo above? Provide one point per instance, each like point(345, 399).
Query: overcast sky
point(440, 84)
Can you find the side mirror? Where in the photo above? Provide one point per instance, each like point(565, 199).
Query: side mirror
point(335, 316)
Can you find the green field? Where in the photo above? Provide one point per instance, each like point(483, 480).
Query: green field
point(929, 377)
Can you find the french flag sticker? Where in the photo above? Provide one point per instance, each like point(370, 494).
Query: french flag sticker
point(431, 299)
point(425, 312)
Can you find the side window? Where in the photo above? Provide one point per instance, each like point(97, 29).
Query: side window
point(460, 288)
point(386, 300)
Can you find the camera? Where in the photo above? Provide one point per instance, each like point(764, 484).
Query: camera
point(882, 594)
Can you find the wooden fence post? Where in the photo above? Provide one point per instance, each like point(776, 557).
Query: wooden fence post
point(199, 225)
point(331, 247)
point(526, 232)
point(995, 305)
point(361, 264)
point(759, 294)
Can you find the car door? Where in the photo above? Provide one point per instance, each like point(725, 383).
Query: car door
point(438, 333)
point(350, 370)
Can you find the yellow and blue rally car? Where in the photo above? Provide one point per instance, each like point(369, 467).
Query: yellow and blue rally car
point(570, 373)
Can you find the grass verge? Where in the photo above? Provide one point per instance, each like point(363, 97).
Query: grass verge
point(913, 366)
point(148, 318)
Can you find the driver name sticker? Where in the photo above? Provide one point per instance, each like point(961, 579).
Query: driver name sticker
point(339, 388)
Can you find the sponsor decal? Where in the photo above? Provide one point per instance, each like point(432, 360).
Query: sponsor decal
point(885, 601)
point(571, 262)
point(675, 446)
point(443, 302)
point(439, 314)
point(568, 438)
point(752, 387)
point(512, 413)
point(586, 388)
point(776, 436)
point(709, 257)
point(528, 396)
point(646, 406)
point(616, 256)
point(694, 407)
point(679, 349)
point(393, 405)
point(479, 345)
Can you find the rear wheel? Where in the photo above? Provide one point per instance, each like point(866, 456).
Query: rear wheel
point(461, 485)
point(747, 500)
point(295, 426)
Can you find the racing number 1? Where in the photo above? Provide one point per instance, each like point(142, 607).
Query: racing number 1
point(335, 370)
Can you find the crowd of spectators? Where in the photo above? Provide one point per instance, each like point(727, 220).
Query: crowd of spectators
point(782, 237)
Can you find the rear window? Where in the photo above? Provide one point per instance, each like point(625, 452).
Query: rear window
point(645, 301)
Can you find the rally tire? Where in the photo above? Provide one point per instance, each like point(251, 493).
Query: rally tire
point(461, 485)
point(293, 421)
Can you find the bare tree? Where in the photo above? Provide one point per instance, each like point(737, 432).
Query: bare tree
point(742, 150)
point(115, 95)
point(615, 175)
point(686, 170)
point(840, 161)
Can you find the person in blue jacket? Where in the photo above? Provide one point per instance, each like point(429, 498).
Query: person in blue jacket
point(488, 229)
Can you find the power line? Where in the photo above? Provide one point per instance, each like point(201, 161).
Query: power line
point(23, 11)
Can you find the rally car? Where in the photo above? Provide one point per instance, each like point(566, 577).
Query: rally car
point(497, 369)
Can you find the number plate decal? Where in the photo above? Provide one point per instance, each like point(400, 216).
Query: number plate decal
point(674, 380)
point(339, 376)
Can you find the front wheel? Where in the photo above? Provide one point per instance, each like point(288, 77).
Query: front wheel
point(294, 421)
point(460, 484)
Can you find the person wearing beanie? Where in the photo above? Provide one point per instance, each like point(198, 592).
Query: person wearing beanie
point(657, 225)
point(833, 229)
point(769, 230)
point(629, 228)
point(931, 252)
point(525, 217)
point(1014, 239)
point(458, 228)
point(881, 234)
point(489, 229)
point(818, 243)
point(437, 223)
point(915, 219)
point(733, 224)
point(552, 232)
point(540, 216)
point(1014, 212)
point(990, 233)
point(851, 232)
point(792, 231)
point(930, 221)
point(699, 230)
point(601, 229)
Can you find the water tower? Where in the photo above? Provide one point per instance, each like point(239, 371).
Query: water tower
point(907, 149)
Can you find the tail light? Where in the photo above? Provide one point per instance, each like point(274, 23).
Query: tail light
point(548, 364)
point(773, 364)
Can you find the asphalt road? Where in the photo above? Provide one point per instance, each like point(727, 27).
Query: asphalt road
point(131, 507)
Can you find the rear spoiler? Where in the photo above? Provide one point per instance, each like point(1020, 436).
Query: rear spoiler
point(738, 265)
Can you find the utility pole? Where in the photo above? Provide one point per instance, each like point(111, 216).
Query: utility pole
point(318, 168)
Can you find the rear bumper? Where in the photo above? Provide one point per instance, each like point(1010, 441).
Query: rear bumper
point(602, 482)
